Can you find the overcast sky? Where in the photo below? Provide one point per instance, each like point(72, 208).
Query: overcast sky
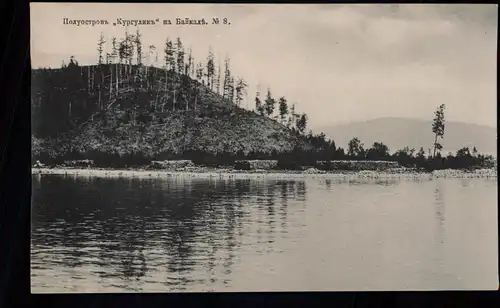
point(338, 63)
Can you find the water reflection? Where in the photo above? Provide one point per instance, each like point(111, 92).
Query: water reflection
point(192, 234)
point(126, 231)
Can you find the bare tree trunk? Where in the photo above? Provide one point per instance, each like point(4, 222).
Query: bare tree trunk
point(92, 78)
point(88, 79)
point(435, 141)
point(195, 97)
point(166, 88)
point(100, 104)
point(156, 100)
point(110, 81)
point(117, 77)
point(174, 85)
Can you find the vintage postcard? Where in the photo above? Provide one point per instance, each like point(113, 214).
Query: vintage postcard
point(263, 147)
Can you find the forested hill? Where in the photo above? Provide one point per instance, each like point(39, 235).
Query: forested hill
point(124, 109)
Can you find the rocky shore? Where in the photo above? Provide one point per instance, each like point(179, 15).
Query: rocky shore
point(202, 172)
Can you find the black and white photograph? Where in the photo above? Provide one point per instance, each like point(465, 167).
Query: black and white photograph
point(263, 147)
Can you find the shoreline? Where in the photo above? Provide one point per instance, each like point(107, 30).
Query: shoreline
point(229, 173)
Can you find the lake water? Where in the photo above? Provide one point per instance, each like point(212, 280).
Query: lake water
point(189, 234)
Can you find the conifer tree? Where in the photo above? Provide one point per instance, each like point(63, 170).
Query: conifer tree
point(269, 103)
point(227, 78)
point(169, 67)
point(100, 48)
point(283, 109)
point(210, 69)
point(138, 44)
point(199, 77)
point(240, 90)
point(438, 127)
point(180, 56)
point(259, 108)
point(217, 80)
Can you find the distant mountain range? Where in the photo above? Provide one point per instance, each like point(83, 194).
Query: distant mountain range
point(397, 133)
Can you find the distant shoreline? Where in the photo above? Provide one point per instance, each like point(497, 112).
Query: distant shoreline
point(229, 173)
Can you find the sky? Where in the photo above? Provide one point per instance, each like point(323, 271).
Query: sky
point(337, 63)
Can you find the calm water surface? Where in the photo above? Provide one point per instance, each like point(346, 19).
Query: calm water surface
point(189, 234)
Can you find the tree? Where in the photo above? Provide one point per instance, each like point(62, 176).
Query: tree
point(138, 45)
point(230, 89)
point(227, 78)
point(190, 65)
point(169, 67)
point(355, 147)
point(339, 153)
point(403, 156)
point(128, 46)
point(199, 71)
point(199, 76)
point(464, 159)
point(283, 108)
point(302, 123)
point(126, 50)
point(210, 69)
point(438, 127)
point(420, 157)
point(463, 152)
point(152, 50)
point(100, 48)
point(291, 119)
point(259, 108)
point(169, 55)
point(217, 80)
point(180, 56)
point(380, 151)
point(240, 89)
point(269, 103)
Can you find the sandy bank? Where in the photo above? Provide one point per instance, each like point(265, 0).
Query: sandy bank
point(224, 173)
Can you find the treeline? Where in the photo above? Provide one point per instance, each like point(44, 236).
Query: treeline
point(140, 80)
point(323, 150)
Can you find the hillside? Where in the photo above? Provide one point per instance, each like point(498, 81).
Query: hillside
point(128, 124)
point(397, 133)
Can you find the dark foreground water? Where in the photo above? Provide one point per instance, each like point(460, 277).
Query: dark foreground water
point(179, 234)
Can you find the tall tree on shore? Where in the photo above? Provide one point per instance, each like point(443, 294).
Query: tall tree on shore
point(438, 128)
